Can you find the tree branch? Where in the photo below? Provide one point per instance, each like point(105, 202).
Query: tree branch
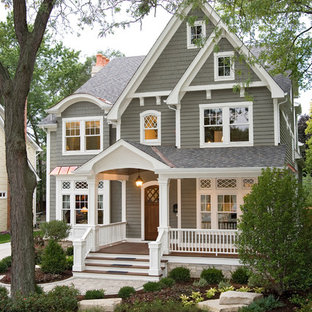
point(20, 22)
point(300, 34)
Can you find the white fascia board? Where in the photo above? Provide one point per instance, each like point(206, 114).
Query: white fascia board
point(87, 168)
point(78, 97)
point(176, 173)
point(48, 127)
point(150, 94)
point(158, 47)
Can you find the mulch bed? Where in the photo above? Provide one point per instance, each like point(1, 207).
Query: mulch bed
point(40, 277)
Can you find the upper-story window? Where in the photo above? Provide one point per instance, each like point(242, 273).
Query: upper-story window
point(224, 66)
point(226, 124)
point(195, 34)
point(82, 135)
point(150, 128)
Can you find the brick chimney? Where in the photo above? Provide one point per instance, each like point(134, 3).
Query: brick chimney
point(101, 61)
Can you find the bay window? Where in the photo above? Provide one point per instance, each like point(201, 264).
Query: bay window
point(226, 124)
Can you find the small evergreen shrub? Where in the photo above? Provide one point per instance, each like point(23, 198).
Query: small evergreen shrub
point(212, 275)
point(3, 267)
point(151, 286)
point(126, 292)
point(53, 258)
point(38, 255)
point(166, 282)
point(55, 229)
point(70, 251)
point(240, 275)
point(180, 274)
point(39, 290)
point(7, 261)
point(262, 305)
point(94, 294)
point(69, 262)
point(4, 294)
point(200, 283)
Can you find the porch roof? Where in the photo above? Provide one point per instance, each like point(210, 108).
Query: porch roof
point(230, 157)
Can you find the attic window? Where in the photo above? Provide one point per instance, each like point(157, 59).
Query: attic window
point(224, 66)
point(150, 128)
point(195, 34)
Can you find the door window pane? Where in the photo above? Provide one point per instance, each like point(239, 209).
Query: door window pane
point(66, 208)
point(205, 205)
point(81, 209)
point(100, 210)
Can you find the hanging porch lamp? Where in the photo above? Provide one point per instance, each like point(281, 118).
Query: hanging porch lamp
point(139, 180)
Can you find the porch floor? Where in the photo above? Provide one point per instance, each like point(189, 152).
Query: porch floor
point(142, 249)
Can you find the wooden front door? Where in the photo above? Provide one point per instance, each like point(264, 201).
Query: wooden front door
point(151, 211)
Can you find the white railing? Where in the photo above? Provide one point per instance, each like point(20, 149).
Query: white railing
point(82, 247)
point(111, 233)
point(202, 241)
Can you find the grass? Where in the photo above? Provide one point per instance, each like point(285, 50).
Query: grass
point(5, 238)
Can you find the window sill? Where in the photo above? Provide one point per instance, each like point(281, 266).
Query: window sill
point(228, 78)
point(78, 153)
point(152, 143)
point(232, 144)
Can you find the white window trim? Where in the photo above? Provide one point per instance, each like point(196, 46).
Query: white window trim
point(3, 196)
point(216, 72)
point(142, 139)
point(189, 36)
point(226, 124)
point(82, 121)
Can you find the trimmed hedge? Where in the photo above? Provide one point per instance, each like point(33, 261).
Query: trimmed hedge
point(180, 274)
point(212, 275)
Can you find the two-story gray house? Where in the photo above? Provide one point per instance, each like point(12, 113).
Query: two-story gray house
point(150, 159)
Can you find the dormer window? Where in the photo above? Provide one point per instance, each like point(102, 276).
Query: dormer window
point(195, 34)
point(150, 128)
point(224, 66)
point(82, 135)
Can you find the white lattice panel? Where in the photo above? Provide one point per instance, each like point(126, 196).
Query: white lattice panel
point(226, 183)
point(150, 122)
point(101, 184)
point(81, 185)
point(248, 182)
point(66, 185)
point(205, 183)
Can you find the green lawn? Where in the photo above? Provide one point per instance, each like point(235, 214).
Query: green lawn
point(5, 238)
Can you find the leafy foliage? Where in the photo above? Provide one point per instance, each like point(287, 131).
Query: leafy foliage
point(55, 229)
point(151, 286)
point(53, 259)
point(212, 275)
point(275, 231)
point(5, 263)
point(180, 274)
point(125, 292)
point(166, 282)
point(240, 275)
point(261, 305)
point(94, 294)
point(200, 283)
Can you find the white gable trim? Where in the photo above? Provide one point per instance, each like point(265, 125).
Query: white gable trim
point(202, 56)
point(162, 41)
point(74, 98)
point(121, 161)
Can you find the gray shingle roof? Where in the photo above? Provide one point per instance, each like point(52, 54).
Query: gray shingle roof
point(50, 119)
point(231, 157)
point(111, 80)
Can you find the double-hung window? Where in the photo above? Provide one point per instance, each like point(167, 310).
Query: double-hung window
point(82, 135)
point(226, 124)
point(224, 66)
point(150, 127)
point(196, 33)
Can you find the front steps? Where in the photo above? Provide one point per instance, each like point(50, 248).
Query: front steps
point(119, 267)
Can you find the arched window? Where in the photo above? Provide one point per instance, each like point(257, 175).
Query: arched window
point(150, 128)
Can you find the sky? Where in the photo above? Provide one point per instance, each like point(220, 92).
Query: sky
point(135, 40)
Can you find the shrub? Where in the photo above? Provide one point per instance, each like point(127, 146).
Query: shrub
point(69, 262)
point(126, 292)
point(94, 294)
point(200, 283)
point(151, 286)
point(38, 255)
point(3, 293)
point(53, 258)
point(64, 297)
point(210, 293)
point(3, 267)
point(240, 275)
point(70, 251)
point(212, 275)
point(166, 282)
point(225, 286)
point(156, 306)
point(38, 289)
point(55, 229)
point(275, 231)
point(7, 261)
point(261, 305)
point(180, 274)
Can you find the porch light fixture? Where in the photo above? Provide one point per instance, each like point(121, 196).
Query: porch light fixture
point(84, 210)
point(139, 180)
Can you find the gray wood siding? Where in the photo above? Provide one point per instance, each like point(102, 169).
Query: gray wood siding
point(130, 121)
point(173, 61)
point(134, 203)
point(188, 190)
point(262, 114)
point(80, 109)
point(286, 139)
point(243, 72)
point(173, 220)
point(115, 193)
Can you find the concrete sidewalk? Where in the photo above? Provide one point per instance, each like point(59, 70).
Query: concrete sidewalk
point(5, 250)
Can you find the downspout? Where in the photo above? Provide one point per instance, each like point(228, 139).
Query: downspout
point(177, 109)
point(278, 118)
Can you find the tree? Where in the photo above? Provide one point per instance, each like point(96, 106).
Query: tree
point(282, 31)
point(275, 231)
point(303, 137)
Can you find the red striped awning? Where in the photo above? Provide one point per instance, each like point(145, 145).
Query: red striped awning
point(63, 170)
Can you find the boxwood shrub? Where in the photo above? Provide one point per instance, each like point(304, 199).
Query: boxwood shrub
point(151, 286)
point(180, 274)
point(94, 294)
point(212, 275)
point(240, 275)
point(125, 292)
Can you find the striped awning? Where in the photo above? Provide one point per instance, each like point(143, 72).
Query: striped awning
point(63, 170)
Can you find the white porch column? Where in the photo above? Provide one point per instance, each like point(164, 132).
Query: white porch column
point(179, 202)
point(107, 202)
point(123, 200)
point(163, 183)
